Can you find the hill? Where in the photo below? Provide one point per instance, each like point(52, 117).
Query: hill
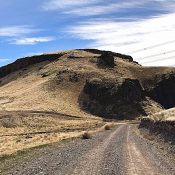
point(54, 96)
point(78, 82)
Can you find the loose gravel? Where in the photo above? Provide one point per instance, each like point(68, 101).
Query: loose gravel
point(107, 153)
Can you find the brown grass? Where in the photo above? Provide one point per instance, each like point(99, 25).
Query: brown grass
point(28, 130)
point(27, 89)
point(164, 115)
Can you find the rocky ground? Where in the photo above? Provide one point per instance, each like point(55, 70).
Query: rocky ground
point(161, 128)
point(121, 150)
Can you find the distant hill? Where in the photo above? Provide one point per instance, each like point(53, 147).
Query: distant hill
point(85, 83)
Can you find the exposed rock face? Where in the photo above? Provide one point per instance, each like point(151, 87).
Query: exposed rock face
point(106, 59)
point(107, 97)
point(25, 62)
point(96, 51)
point(163, 91)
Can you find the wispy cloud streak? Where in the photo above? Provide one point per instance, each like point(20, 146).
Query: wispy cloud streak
point(18, 35)
point(67, 4)
point(100, 7)
point(104, 9)
point(32, 40)
point(125, 37)
point(12, 31)
point(4, 60)
point(90, 7)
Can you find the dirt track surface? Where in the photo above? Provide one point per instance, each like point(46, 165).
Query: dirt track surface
point(121, 150)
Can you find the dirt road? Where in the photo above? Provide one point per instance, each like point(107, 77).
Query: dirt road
point(121, 150)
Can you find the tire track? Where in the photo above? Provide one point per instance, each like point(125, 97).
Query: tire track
point(91, 161)
point(148, 155)
point(137, 164)
point(119, 151)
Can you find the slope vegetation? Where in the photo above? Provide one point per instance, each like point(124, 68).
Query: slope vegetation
point(56, 95)
point(74, 82)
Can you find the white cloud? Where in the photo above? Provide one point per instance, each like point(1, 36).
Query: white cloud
point(63, 4)
point(89, 7)
point(19, 35)
point(12, 31)
point(4, 60)
point(126, 37)
point(104, 9)
point(32, 40)
point(99, 7)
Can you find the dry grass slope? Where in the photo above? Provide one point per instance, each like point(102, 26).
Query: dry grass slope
point(39, 102)
point(25, 130)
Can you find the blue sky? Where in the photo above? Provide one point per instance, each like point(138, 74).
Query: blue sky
point(129, 27)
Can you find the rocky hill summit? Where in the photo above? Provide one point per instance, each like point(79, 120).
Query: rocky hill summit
point(86, 82)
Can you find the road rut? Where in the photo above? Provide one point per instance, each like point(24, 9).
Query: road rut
point(119, 151)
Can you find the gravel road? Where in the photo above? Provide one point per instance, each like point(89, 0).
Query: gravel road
point(121, 150)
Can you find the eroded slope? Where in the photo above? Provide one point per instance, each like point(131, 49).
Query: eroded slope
point(120, 88)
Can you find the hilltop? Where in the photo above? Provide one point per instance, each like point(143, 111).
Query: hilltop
point(85, 83)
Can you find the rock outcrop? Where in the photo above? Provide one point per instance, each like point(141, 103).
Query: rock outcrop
point(163, 91)
point(107, 60)
point(111, 97)
point(25, 62)
point(102, 52)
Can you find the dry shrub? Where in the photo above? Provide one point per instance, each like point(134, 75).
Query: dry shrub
point(107, 127)
point(86, 135)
